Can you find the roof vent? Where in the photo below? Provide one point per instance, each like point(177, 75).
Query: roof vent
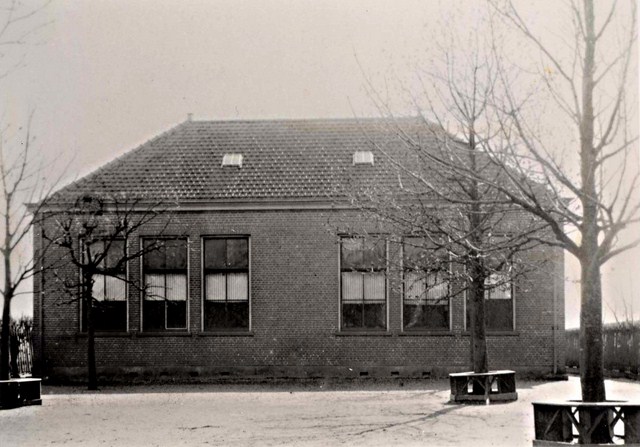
point(232, 160)
point(363, 158)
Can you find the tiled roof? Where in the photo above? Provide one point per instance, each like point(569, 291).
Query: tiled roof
point(282, 160)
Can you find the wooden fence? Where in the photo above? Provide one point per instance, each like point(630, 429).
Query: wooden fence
point(621, 343)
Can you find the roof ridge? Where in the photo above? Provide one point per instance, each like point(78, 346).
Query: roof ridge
point(310, 119)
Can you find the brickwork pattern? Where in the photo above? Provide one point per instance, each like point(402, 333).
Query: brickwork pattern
point(295, 327)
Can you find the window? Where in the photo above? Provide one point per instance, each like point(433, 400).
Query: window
point(232, 160)
point(363, 283)
point(498, 296)
point(109, 291)
point(498, 301)
point(226, 272)
point(426, 287)
point(363, 158)
point(165, 280)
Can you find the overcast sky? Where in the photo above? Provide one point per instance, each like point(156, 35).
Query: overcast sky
point(106, 76)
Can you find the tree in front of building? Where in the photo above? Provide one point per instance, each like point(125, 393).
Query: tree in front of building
point(97, 236)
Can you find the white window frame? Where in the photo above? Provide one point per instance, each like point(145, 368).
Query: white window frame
point(386, 284)
point(203, 285)
point(141, 240)
point(449, 288)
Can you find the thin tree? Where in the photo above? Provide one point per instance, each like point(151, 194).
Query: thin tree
point(96, 236)
point(21, 180)
point(20, 176)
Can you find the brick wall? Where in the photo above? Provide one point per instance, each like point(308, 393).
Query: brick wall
point(294, 313)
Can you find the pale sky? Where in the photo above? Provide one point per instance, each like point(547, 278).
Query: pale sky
point(105, 76)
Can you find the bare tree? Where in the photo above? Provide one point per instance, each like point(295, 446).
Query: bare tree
point(483, 235)
point(584, 189)
point(20, 177)
point(21, 180)
point(587, 208)
point(95, 236)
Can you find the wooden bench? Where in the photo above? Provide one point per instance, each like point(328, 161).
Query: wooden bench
point(18, 392)
point(483, 387)
point(562, 422)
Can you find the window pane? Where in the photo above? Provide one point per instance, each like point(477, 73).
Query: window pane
point(374, 287)
point(414, 315)
point(374, 316)
point(352, 315)
point(228, 316)
point(153, 315)
point(116, 289)
point(115, 254)
point(374, 254)
point(437, 316)
point(154, 259)
point(98, 287)
point(237, 253)
point(154, 287)
point(352, 286)
point(438, 287)
point(497, 287)
point(215, 253)
point(176, 314)
point(238, 286)
point(176, 287)
point(499, 314)
point(414, 286)
point(414, 253)
point(216, 287)
point(351, 253)
point(110, 316)
point(176, 252)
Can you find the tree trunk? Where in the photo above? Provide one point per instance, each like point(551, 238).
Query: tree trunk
point(591, 347)
point(475, 264)
point(591, 367)
point(92, 382)
point(479, 357)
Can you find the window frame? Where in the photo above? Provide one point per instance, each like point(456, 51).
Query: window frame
point(144, 272)
point(203, 284)
point(404, 270)
point(81, 310)
point(384, 270)
point(514, 326)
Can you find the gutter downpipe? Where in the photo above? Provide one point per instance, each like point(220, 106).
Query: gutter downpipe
point(41, 310)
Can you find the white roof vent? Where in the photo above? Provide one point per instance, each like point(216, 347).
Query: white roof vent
point(232, 160)
point(363, 158)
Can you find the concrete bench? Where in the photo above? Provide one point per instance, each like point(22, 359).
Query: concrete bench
point(483, 387)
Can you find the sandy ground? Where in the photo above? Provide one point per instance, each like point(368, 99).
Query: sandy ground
point(367, 414)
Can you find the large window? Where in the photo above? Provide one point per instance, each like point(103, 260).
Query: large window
point(165, 280)
point(426, 287)
point(363, 283)
point(226, 297)
point(109, 291)
point(499, 301)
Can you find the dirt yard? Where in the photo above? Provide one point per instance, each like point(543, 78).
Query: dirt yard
point(370, 414)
